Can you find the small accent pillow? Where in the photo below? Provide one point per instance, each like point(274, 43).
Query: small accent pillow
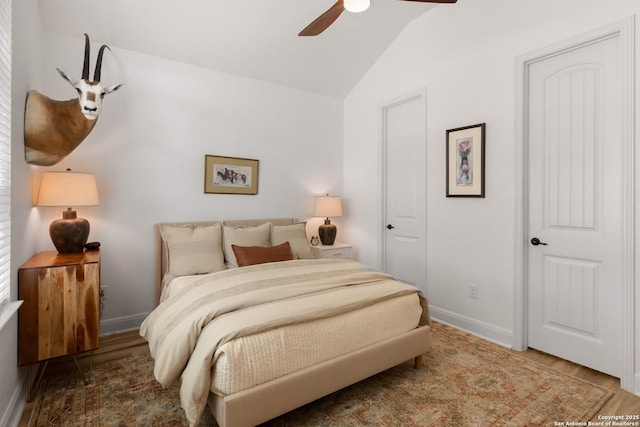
point(193, 249)
point(243, 236)
point(251, 255)
point(296, 235)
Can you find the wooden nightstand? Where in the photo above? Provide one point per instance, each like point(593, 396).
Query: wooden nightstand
point(337, 251)
point(60, 315)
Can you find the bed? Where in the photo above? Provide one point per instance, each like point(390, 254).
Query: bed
point(253, 326)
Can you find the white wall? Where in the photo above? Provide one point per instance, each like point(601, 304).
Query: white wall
point(147, 151)
point(464, 54)
point(26, 66)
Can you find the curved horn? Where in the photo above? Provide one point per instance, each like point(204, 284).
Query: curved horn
point(87, 48)
point(96, 75)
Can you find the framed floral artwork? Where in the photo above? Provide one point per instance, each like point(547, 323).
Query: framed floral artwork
point(466, 161)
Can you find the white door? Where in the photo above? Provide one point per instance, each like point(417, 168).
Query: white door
point(575, 205)
point(405, 187)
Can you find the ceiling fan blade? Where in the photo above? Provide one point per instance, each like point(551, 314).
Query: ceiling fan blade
point(324, 21)
point(434, 1)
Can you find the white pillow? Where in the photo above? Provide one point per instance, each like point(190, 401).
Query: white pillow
point(296, 235)
point(243, 236)
point(193, 249)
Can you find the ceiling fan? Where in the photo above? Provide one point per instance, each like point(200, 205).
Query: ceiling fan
point(326, 19)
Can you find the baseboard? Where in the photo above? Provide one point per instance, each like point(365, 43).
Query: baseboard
point(476, 327)
point(121, 324)
point(13, 412)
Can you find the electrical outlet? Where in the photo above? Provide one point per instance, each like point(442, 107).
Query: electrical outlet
point(473, 291)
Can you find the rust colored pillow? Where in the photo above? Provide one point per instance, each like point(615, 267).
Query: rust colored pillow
point(250, 255)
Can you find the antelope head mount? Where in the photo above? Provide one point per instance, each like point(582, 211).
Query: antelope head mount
point(53, 129)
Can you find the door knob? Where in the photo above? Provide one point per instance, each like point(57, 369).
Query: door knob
point(390, 227)
point(535, 242)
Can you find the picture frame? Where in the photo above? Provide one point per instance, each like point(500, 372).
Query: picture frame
point(466, 161)
point(230, 175)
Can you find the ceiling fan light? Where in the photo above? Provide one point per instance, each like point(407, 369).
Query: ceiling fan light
point(357, 6)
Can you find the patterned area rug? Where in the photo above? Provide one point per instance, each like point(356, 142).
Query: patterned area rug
point(466, 382)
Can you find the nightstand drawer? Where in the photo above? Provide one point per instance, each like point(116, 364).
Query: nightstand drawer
point(337, 251)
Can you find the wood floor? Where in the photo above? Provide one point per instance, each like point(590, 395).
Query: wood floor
point(122, 345)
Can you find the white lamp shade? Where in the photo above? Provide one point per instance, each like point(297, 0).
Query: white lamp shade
point(357, 6)
point(328, 206)
point(67, 189)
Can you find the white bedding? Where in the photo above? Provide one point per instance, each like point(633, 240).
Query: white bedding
point(256, 359)
point(186, 332)
point(178, 284)
point(248, 361)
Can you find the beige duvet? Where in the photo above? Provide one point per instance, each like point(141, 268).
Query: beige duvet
point(185, 331)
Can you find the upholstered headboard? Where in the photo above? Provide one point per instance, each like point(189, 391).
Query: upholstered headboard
point(162, 252)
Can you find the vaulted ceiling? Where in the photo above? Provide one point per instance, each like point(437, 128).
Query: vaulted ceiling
point(252, 38)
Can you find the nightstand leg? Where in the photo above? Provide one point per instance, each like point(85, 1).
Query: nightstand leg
point(85, 380)
point(91, 363)
point(34, 387)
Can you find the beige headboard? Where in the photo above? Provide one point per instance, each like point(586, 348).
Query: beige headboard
point(161, 252)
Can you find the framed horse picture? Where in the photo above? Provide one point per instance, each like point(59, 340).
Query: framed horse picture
point(230, 175)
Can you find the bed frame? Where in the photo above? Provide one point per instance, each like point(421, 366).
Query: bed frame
point(261, 403)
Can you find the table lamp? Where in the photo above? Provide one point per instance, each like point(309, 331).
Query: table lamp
point(327, 206)
point(69, 234)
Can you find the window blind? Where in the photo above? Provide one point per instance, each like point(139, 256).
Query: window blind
point(5, 150)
